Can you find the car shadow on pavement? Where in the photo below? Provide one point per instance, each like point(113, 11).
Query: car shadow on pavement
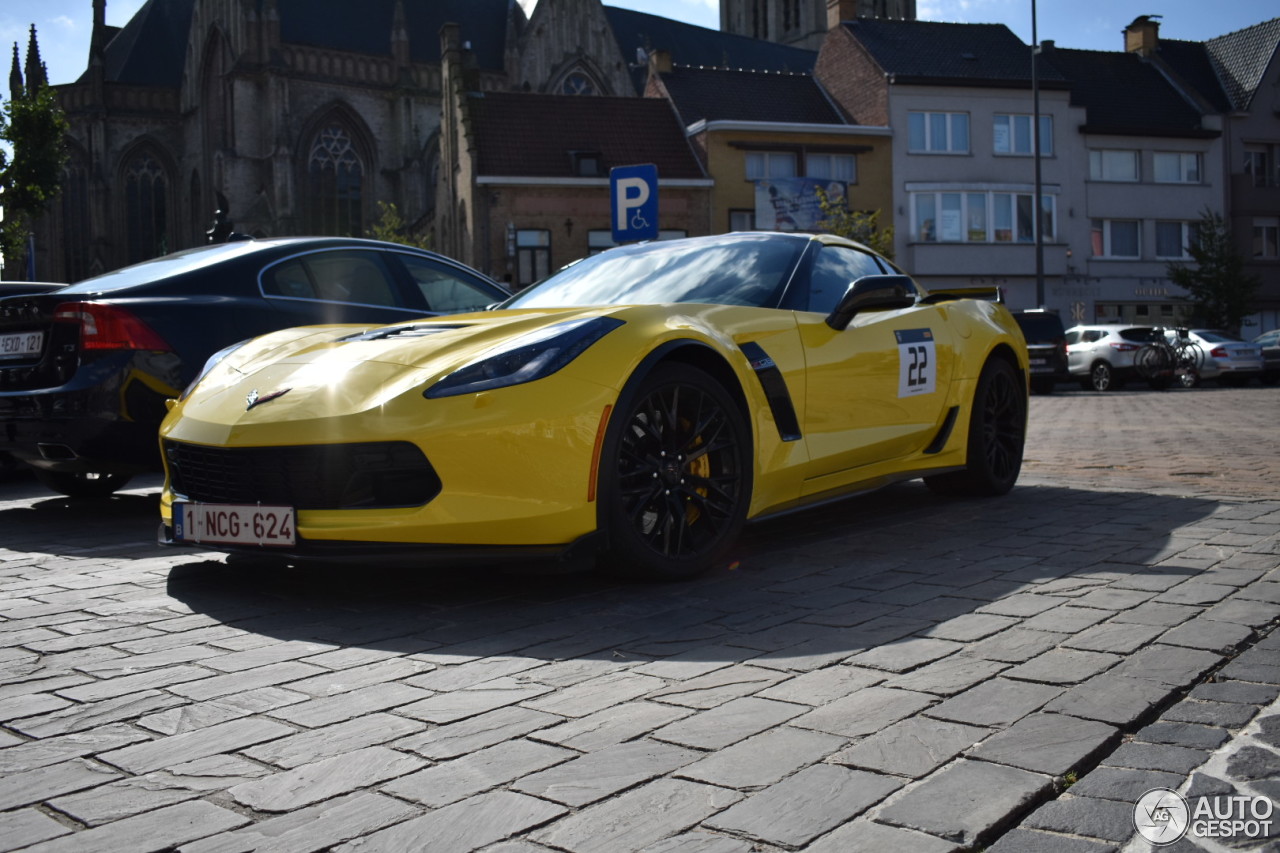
point(801, 592)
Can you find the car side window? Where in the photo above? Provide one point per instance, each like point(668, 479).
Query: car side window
point(834, 270)
point(352, 276)
point(1092, 335)
point(444, 291)
point(288, 279)
point(1072, 337)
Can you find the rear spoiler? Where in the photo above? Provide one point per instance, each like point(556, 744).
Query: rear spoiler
point(950, 294)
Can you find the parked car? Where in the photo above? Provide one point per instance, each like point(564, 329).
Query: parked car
point(1046, 347)
point(1226, 358)
point(1103, 357)
point(641, 404)
point(1269, 343)
point(19, 288)
point(85, 370)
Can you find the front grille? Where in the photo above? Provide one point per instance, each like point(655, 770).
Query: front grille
point(320, 476)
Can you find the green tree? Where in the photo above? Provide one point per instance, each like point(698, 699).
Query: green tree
point(1218, 289)
point(392, 228)
point(34, 129)
point(856, 225)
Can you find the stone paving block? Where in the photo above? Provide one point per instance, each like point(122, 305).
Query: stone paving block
point(970, 627)
point(1252, 763)
point(1023, 604)
point(95, 714)
point(1067, 619)
point(567, 673)
point(823, 685)
point(1015, 645)
point(729, 723)
point(1112, 699)
point(264, 655)
point(587, 697)
point(1030, 841)
point(1048, 743)
point(1157, 613)
point(468, 825)
point(998, 702)
point(28, 755)
point(913, 747)
point(948, 676)
point(30, 705)
point(1063, 666)
point(810, 803)
point(905, 654)
point(1207, 634)
point(306, 747)
point(346, 706)
point(34, 786)
point(272, 675)
point(128, 684)
point(867, 711)
point(612, 725)
point(1088, 816)
point(1183, 734)
point(314, 828)
point(965, 801)
point(1228, 715)
point(1193, 593)
point(1116, 637)
point(635, 820)
point(466, 736)
point(764, 759)
point(1153, 756)
point(866, 836)
point(1241, 611)
point(599, 774)
point(451, 781)
point(471, 673)
point(1123, 785)
point(151, 832)
point(1173, 665)
point(1258, 673)
point(460, 704)
point(179, 749)
point(696, 841)
point(320, 780)
point(1240, 692)
point(696, 661)
point(25, 827)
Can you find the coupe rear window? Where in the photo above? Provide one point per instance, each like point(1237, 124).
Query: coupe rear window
point(1142, 335)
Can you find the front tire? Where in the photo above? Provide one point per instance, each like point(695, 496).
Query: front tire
point(1102, 377)
point(997, 435)
point(675, 475)
point(88, 485)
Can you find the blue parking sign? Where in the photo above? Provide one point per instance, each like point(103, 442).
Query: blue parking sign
point(633, 193)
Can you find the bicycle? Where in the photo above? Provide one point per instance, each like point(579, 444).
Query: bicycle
point(1175, 358)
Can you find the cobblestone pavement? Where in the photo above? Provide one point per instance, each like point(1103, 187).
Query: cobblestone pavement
point(899, 672)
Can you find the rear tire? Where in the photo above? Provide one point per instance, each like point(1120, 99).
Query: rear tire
point(89, 485)
point(675, 476)
point(997, 434)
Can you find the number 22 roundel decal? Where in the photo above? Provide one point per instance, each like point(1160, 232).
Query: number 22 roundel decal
point(917, 371)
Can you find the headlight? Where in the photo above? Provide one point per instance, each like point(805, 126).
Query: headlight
point(525, 358)
point(210, 365)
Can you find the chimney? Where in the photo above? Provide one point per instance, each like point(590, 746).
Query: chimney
point(839, 11)
point(1143, 35)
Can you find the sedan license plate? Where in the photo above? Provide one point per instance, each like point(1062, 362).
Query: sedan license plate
point(234, 524)
point(21, 344)
point(1039, 361)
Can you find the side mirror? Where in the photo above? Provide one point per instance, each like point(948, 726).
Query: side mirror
point(873, 291)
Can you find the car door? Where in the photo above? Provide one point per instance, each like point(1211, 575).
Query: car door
point(876, 390)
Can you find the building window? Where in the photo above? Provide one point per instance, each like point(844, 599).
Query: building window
point(1266, 236)
point(742, 220)
point(1172, 239)
point(938, 133)
point(587, 164)
point(1113, 165)
point(578, 83)
point(1259, 164)
point(146, 193)
point(1012, 134)
point(832, 167)
point(1115, 238)
point(1176, 168)
point(770, 164)
point(533, 256)
point(335, 183)
point(980, 217)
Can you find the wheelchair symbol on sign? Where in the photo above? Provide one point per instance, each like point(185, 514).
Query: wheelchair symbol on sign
point(638, 221)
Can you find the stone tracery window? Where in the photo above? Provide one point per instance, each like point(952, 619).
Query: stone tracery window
point(578, 83)
point(335, 183)
point(146, 193)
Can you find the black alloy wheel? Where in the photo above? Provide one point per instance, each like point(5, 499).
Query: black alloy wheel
point(997, 435)
point(676, 475)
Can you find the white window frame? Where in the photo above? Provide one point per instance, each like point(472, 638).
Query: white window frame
point(977, 216)
point(1266, 235)
point(1102, 162)
point(1188, 167)
point(1187, 234)
point(837, 167)
point(1107, 226)
point(771, 164)
point(1015, 139)
point(950, 132)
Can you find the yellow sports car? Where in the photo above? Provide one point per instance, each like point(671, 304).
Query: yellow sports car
point(638, 407)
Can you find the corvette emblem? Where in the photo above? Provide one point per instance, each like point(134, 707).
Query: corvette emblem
point(254, 400)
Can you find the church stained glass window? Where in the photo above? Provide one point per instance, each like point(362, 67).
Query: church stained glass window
point(335, 178)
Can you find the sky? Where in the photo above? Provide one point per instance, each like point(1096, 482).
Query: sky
point(63, 26)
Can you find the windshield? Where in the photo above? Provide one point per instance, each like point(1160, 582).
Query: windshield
point(1215, 337)
point(727, 269)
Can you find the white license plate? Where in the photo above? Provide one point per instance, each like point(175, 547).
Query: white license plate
point(234, 524)
point(21, 344)
point(1039, 361)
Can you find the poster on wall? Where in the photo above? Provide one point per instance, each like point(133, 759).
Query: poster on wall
point(791, 204)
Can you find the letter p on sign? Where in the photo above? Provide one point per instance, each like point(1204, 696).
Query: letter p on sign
point(633, 192)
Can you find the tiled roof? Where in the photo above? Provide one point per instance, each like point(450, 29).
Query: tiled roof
point(1124, 94)
point(950, 54)
point(717, 93)
point(1191, 62)
point(625, 131)
point(1241, 58)
point(151, 49)
point(691, 45)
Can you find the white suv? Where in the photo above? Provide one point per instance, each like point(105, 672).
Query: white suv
point(1102, 356)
